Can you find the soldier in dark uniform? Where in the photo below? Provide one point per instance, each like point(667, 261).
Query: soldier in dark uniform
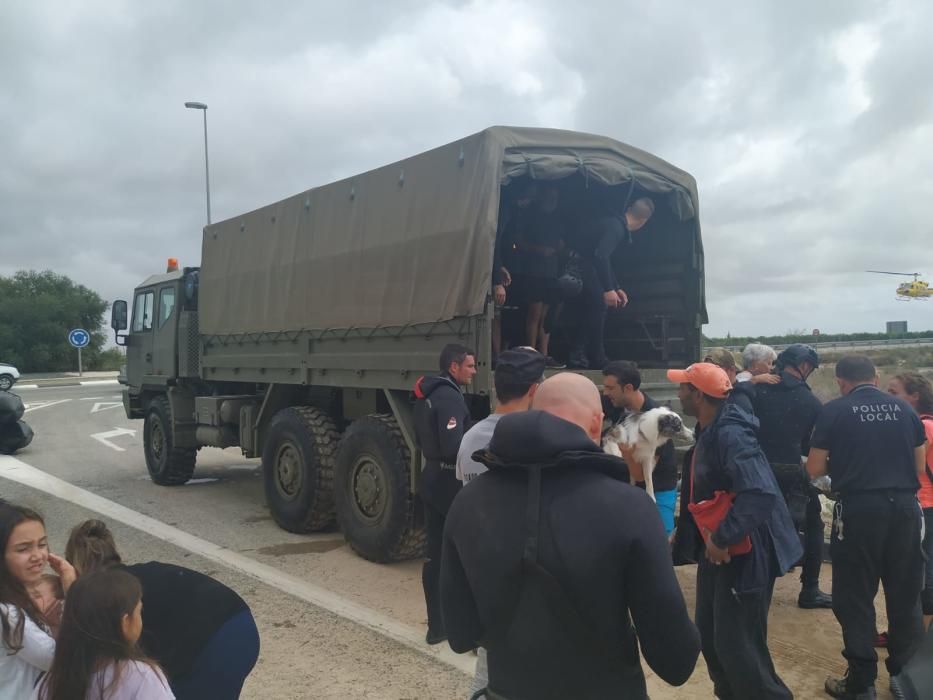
point(595, 242)
point(872, 445)
point(441, 418)
point(787, 412)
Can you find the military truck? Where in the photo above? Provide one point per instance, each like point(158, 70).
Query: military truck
point(300, 336)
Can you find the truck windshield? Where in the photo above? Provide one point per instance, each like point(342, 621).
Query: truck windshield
point(142, 311)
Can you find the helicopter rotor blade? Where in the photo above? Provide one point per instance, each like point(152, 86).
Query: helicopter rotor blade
point(900, 274)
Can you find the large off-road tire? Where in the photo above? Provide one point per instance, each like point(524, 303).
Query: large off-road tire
point(6, 382)
point(375, 506)
point(168, 465)
point(298, 468)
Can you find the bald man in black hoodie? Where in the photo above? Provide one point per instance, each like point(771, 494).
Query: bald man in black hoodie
point(551, 556)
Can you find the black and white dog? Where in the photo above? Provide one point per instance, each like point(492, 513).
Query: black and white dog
point(646, 432)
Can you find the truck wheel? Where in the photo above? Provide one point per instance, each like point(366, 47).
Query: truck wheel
point(168, 465)
point(6, 382)
point(298, 468)
point(375, 507)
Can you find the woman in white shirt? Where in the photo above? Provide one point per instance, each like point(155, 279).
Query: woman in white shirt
point(26, 644)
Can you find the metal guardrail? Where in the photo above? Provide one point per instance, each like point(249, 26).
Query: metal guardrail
point(893, 342)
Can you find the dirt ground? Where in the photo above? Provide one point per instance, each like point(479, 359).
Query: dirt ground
point(806, 645)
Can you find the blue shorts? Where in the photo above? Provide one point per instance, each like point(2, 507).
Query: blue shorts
point(666, 500)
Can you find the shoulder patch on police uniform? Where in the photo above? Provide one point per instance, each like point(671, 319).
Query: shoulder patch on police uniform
point(452, 423)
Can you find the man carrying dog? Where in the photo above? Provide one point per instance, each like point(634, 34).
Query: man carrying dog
point(622, 387)
point(733, 593)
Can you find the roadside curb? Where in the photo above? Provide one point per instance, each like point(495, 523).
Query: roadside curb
point(90, 382)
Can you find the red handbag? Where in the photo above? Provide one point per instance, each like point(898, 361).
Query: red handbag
point(710, 513)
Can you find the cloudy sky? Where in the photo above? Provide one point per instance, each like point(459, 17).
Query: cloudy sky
point(806, 124)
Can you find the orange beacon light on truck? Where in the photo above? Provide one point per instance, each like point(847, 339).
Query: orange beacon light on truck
point(172, 265)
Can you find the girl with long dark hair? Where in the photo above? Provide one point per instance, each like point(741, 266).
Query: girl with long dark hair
point(199, 630)
point(26, 643)
point(97, 657)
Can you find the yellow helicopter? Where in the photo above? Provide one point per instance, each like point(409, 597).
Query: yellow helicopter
point(917, 289)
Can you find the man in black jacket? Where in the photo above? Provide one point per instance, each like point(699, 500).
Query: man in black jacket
point(441, 418)
point(787, 412)
point(595, 242)
point(552, 561)
point(733, 592)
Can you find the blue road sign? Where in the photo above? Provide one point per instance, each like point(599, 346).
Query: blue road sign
point(79, 338)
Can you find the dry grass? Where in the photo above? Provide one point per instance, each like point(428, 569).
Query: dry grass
point(889, 362)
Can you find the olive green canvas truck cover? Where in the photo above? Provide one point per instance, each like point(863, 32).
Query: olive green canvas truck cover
point(411, 242)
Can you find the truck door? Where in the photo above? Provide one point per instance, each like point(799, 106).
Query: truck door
point(139, 340)
point(165, 333)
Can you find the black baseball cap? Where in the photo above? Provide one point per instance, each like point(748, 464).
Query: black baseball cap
point(522, 365)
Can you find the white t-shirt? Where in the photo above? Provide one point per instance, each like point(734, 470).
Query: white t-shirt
point(20, 671)
point(138, 681)
point(476, 438)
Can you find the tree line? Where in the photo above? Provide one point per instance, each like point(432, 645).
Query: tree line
point(37, 309)
point(808, 338)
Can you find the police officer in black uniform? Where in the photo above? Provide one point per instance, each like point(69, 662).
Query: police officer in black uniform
point(441, 418)
point(872, 445)
point(787, 412)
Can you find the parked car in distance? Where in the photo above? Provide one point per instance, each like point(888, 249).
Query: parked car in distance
point(8, 376)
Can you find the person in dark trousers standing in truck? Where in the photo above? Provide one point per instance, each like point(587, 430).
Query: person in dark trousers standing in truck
point(595, 242)
point(787, 412)
point(622, 386)
point(558, 566)
point(441, 417)
point(873, 447)
point(733, 590)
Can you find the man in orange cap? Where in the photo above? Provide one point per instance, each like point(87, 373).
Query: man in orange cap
point(733, 592)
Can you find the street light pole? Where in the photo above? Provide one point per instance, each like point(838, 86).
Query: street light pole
point(207, 171)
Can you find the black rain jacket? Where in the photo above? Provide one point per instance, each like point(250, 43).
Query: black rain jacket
point(551, 561)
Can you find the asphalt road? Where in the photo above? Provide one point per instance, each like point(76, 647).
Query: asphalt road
point(309, 651)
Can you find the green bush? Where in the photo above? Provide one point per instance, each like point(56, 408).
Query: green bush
point(109, 360)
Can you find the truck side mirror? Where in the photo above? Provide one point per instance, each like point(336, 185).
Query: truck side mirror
point(118, 316)
point(118, 321)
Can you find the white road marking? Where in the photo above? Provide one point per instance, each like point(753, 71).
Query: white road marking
point(205, 480)
point(36, 405)
point(103, 438)
point(26, 386)
point(22, 473)
point(99, 382)
point(105, 405)
point(93, 398)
